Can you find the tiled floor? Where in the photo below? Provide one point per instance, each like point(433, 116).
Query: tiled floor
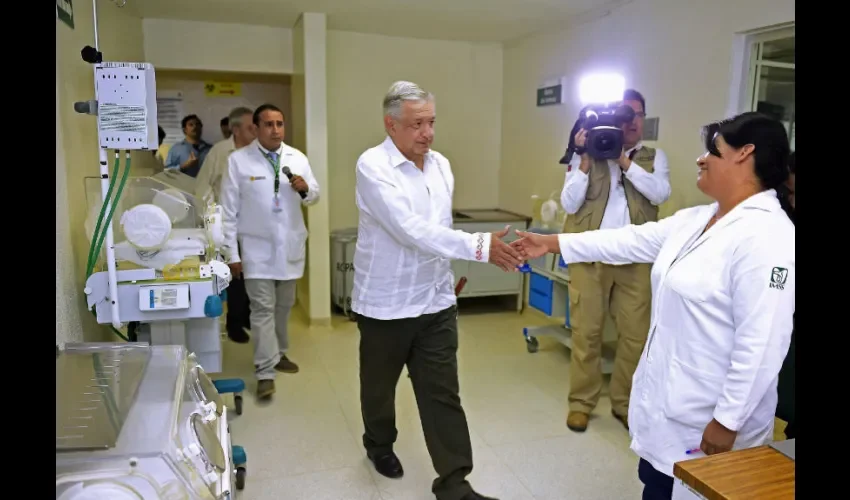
point(305, 444)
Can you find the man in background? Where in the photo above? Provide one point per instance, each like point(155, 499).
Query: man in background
point(189, 154)
point(224, 124)
point(244, 132)
point(610, 194)
point(404, 292)
point(262, 193)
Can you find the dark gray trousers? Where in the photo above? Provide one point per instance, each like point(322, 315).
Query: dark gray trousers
point(428, 346)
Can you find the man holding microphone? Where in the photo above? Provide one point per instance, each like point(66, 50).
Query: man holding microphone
point(263, 214)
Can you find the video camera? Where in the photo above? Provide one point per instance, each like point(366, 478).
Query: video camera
point(604, 124)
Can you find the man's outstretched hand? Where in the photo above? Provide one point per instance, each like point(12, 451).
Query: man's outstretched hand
point(501, 254)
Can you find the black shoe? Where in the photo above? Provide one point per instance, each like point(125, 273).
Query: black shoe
point(388, 465)
point(239, 336)
point(265, 389)
point(285, 365)
point(472, 495)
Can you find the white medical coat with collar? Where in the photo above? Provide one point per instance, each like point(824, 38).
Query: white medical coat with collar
point(273, 244)
point(722, 316)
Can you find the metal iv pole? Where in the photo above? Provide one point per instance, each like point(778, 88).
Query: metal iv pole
point(94, 56)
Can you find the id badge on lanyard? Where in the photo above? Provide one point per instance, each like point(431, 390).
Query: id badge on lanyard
point(275, 165)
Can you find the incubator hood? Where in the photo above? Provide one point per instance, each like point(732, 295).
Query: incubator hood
point(138, 422)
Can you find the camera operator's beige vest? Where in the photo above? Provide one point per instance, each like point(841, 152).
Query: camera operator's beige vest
point(589, 216)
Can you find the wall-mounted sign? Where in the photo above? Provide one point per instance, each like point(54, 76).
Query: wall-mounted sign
point(222, 89)
point(169, 113)
point(65, 12)
point(650, 129)
point(550, 93)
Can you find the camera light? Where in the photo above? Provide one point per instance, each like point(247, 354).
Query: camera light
point(601, 88)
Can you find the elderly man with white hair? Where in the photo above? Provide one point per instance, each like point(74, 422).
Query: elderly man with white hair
point(240, 121)
point(404, 290)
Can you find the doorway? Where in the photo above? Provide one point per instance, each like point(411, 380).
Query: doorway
point(212, 95)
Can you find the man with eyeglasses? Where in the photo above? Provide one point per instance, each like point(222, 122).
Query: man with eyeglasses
point(609, 194)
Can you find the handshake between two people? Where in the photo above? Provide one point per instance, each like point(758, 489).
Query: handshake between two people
point(510, 256)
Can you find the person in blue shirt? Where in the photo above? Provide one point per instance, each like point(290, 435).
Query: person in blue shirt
point(189, 154)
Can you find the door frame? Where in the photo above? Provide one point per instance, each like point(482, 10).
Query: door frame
point(744, 67)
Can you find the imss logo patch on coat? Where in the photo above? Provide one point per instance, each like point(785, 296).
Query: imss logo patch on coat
point(778, 277)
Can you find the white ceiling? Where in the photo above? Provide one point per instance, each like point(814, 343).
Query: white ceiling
point(471, 20)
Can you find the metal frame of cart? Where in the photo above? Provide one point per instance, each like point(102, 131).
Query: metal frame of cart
point(562, 332)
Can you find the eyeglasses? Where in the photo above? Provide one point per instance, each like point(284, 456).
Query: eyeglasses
point(708, 153)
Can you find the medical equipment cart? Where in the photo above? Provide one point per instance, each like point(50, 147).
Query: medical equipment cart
point(548, 293)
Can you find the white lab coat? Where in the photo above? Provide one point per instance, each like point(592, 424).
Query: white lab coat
point(722, 315)
point(273, 245)
point(210, 176)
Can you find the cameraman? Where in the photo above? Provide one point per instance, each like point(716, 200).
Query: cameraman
point(609, 194)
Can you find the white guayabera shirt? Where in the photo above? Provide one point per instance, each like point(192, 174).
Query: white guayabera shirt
point(405, 241)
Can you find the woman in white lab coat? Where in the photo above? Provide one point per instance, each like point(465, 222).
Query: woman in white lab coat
point(723, 284)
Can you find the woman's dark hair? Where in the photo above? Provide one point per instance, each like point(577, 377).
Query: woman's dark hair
point(770, 139)
point(784, 194)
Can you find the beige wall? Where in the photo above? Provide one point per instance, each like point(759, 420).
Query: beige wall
point(467, 81)
point(69, 326)
point(120, 40)
point(255, 91)
point(310, 90)
point(175, 44)
point(677, 53)
point(299, 141)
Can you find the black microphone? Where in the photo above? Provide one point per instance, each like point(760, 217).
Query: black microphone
point(288, 174)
